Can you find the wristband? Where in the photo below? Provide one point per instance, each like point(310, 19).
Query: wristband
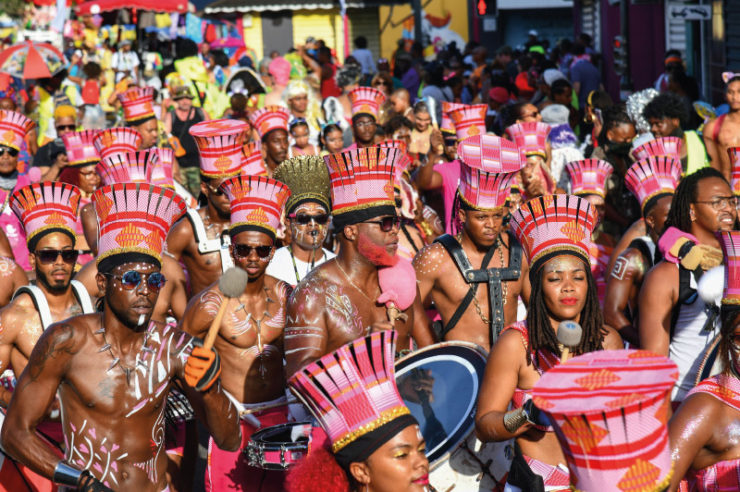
point(66, 475)
point(514, 420)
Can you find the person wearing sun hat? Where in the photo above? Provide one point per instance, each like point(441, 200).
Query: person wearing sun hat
point(555, 232)
point(271, 122)
point(365, 103)
point(250, 338)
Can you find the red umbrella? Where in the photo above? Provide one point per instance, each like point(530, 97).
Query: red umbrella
point(31, 60)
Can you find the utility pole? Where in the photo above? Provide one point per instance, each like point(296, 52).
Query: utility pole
point(416, 7)
point(625, 83)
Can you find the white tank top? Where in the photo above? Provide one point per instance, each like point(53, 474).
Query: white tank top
point(689, 343)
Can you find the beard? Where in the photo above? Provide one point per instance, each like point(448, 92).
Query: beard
point(375, 253)
point(53, 286)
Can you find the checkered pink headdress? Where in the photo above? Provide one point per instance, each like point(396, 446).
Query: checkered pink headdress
point(446, 125)
point(134, 219)
point(115, 140)
point(80, 148)
point(252, 163)
point(270, 118)
point(588, 176)
point(531, 137)
point(734, 153)
point(128, 167)
point(352, 392)
point(159, 167)
point(366, 100)
point(550, 225)
point(46, 207)
point(610, 413)
point(220, 145)
point(13, 129)
point(469, 121)
point(489, 167)
point(662, 146)
point(730, 241)
point(653, 178)
point(138, 104)
point(256, 203)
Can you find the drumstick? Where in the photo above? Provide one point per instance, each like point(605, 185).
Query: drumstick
point(267, 406)
point(569, 335)
point(232, 284)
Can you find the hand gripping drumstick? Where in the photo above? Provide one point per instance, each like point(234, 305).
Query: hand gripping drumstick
point(232, 284)
point(569, 335)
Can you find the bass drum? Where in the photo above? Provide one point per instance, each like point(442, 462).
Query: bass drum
point(440, 385)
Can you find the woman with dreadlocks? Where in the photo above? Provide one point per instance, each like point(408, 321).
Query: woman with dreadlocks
point(555, 231)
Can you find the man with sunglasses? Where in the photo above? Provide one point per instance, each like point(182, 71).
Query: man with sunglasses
point(51, 158)
point(250, 339)
point(113, 369)
point(337, 302)
point(271, 122)
point(366, 103)
point(306, 217)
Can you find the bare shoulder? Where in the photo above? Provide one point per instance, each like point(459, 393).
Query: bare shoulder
point(664, 271)
point(429, 259)
point(612, 339)
point(181, 232)
point(511, 341)
point(171, 268)
point(281, 290)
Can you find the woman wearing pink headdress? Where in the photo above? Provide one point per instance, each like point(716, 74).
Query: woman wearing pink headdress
point(555, 231)
point(531, 137)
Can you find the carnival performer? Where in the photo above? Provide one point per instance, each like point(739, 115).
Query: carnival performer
point(531, 138)
point(555, 231)
point(720, 133)
point(445, 268)
point(113, 369)
point(366, 103)
point(376, 444)
point(271, 122)
point(306, 217)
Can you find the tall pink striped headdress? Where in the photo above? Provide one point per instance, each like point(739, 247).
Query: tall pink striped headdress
point(128, 167)
point(220, 146)
point(366, 100)
point(46, 207)
point(115, 140)
point(653, 178)
point(588, 176)
point(80, 148)
point(734, 153)
point(469, 121)
point(256, 203)
point(446, 125)
point(662, 146)
point(13, 129)
point(531, 137)
point(730, 241)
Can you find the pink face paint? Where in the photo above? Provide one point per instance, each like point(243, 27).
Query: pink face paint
point(375, 253)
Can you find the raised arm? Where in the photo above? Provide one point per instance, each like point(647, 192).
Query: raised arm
point(90, 226)
point(655, 302)
point(427, 178)
point(306, 333)
point(178, 238)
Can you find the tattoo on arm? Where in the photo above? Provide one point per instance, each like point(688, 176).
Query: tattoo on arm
point(51, 346)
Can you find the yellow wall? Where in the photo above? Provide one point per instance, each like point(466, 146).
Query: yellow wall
point(394, 17)
point(253, 35)
point(326, 25)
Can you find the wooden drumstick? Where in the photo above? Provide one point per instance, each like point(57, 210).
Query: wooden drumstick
point(569, 335)
point(232, 284)
point(267, 406)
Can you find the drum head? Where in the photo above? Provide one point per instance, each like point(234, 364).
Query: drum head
point(440, 385)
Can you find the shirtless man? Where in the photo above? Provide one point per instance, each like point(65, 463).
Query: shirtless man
point(453, 285)
point(272, 124)
point(250, 340)
point(336, 303)
point(12, 277)
point(201, 238)
point(652, 181)
point(113, 369)
point(721, 133)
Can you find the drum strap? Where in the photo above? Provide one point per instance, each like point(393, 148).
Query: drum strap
point(206, 245)
point(493, 276)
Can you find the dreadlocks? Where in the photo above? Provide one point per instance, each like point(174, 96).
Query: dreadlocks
point(686, 193)
point(541, 334)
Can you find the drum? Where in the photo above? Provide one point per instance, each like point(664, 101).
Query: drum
point(280, 446)
point(178, 407)
point(440, 386)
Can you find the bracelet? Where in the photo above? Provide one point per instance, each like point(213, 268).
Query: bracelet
point(66, 475)
point(514, 420)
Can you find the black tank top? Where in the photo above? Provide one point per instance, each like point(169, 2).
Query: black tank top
point(180, 130)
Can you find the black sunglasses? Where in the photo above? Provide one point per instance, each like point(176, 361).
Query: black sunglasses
point(11, 152)
point(244, 250)
point(386, 223)
point(131, 279)
point(47, 256)
point(66, 127)
point(215, 191)
point(304, 219)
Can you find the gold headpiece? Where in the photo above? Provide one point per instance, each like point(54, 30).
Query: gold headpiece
point(308, 179)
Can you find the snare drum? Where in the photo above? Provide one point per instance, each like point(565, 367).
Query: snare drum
point(280, 446)
point(440, 385)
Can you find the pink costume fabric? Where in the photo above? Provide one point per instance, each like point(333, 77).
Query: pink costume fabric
point(80, 232)
point(13, 227)
point(450, 172)
point(599, 256)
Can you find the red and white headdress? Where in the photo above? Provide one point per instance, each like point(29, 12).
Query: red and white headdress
point(13, 129)
point(46, 207)
point(402, 163)
point(489, 167)
point(362, 184)
point(661, 146)
point(469, 121)
point(159, 167)
point(115, 140)
point(550, 225)
point(220, 145)
point(253, 164)
point(80, 148)
point(734, 153)
point(352, 392)
point(256, 203)
point(138, 104)
point(588, 176)
point(270, 118)
point(653, 178)
point(531, 137)
point(366, 100)
point(730, 241)
point(446, 125)
point(610, 413)
point(129, 167)
point(134, 219)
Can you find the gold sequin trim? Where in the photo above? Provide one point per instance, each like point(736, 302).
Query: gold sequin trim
point(134, 249)
point(364, 206)
point(255, 224)
point(499, 208)
point(384, 418)
point(45, 228)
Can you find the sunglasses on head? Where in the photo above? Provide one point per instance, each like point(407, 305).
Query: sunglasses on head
point(66, 127)
point(244, 250)
point(47, 256)
point(386, 223)
point(303, 219)
point(131, 279)
point(11, 152)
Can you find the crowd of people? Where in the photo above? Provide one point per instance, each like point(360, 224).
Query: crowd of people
point(253, 252)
